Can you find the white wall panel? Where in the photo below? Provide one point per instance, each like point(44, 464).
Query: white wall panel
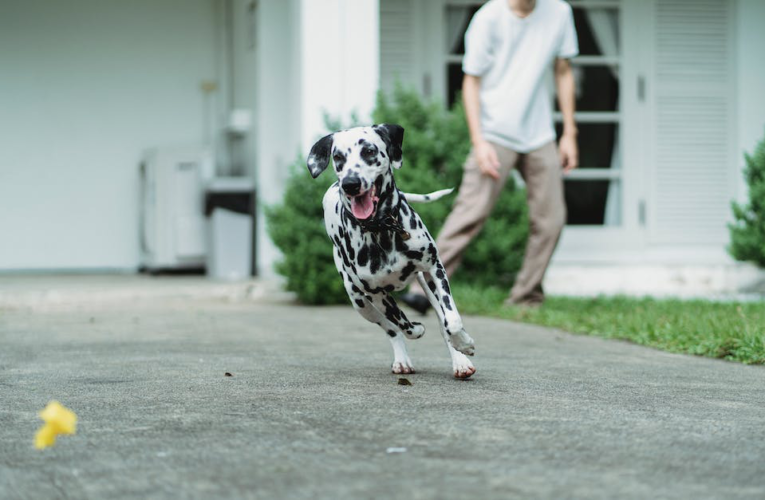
point(85, 86)
point(694, 121)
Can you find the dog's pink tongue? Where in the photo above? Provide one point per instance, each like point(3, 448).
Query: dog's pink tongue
point(362, 206)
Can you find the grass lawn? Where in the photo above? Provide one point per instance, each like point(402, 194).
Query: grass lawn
point(732, 331)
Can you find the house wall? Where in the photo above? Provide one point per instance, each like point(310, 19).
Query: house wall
point(85, 86)
point(751, 80)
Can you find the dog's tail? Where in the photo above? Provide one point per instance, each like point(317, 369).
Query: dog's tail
point(427, 198)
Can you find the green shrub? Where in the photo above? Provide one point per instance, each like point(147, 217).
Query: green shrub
point(747, 233)
point(436, 143)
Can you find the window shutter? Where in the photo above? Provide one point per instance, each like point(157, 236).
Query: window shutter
point(397, 47)
point(693, 179)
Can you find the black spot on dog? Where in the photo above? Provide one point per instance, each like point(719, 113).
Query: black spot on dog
point(391, 333)
point(447, 302)
point(400, 245)
point(440, 274)
point(432, 286)
point(433, 253)
point(408, 270)
point(375, 259)
point(339, 159)
point(348, 245)
point(363, 255)
point(445, 285)
point(369, 154)
point(359, 303)
point(356, 289)
point(413, 255)
point(385, 242)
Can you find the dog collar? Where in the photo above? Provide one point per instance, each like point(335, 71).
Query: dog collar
point(387, 223)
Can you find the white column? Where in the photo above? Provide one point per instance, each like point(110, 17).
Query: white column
point(277, 112)
point(314, 56)
point(340, 62)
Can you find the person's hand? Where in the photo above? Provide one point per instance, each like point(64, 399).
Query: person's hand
point(487, 159)
point(569, 152)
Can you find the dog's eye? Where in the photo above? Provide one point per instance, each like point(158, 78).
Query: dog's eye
point(367, 151)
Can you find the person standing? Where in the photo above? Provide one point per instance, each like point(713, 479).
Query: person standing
point(510, 46)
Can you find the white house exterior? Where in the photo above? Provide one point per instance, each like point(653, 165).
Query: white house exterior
point(671, 93)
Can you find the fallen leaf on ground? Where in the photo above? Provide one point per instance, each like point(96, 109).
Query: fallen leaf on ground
point(228, 374)
point(58, 420)
point(404, 381)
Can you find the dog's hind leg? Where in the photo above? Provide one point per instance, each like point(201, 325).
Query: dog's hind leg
point(401, 362)
point(462, 366)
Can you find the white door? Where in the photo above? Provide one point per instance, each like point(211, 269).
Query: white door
point(690, 92)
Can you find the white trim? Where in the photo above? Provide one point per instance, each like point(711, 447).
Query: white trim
point(597, 60)
point(655, 279)
point(595, 4)
point(592, 116)
point(594, 174)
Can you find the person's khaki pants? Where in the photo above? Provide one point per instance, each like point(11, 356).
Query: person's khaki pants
point(541, 170)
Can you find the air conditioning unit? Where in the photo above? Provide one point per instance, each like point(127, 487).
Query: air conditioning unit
point(172, 207)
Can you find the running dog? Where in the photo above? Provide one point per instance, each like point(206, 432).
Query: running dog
point(381, 244)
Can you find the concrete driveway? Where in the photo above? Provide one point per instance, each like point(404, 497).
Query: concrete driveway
point(311, 410)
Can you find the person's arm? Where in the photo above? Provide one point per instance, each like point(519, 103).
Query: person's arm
point(485, 154)
point(564, 81)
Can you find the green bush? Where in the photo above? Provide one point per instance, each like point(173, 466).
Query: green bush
point(747, 233)
point(436, 143)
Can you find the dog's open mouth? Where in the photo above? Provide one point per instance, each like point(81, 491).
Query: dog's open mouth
point(363, 206)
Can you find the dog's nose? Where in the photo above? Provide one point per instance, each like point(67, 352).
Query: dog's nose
point(351, 185)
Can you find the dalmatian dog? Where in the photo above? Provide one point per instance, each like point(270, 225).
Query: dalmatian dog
point(381, 244)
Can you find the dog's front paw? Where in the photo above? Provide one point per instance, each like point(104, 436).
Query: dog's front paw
point(462, 342)
point(416, 331)
point(463, 368)
point(402, 366)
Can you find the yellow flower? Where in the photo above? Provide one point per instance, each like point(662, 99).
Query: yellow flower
point(58, 420)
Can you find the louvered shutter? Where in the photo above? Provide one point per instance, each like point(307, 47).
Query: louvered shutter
point(693, 179)
point(397, 52)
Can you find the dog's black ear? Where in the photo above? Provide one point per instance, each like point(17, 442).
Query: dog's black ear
point(318, 158)
point(393, 135)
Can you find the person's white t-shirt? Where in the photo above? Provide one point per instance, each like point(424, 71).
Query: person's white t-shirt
point(513, 56)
